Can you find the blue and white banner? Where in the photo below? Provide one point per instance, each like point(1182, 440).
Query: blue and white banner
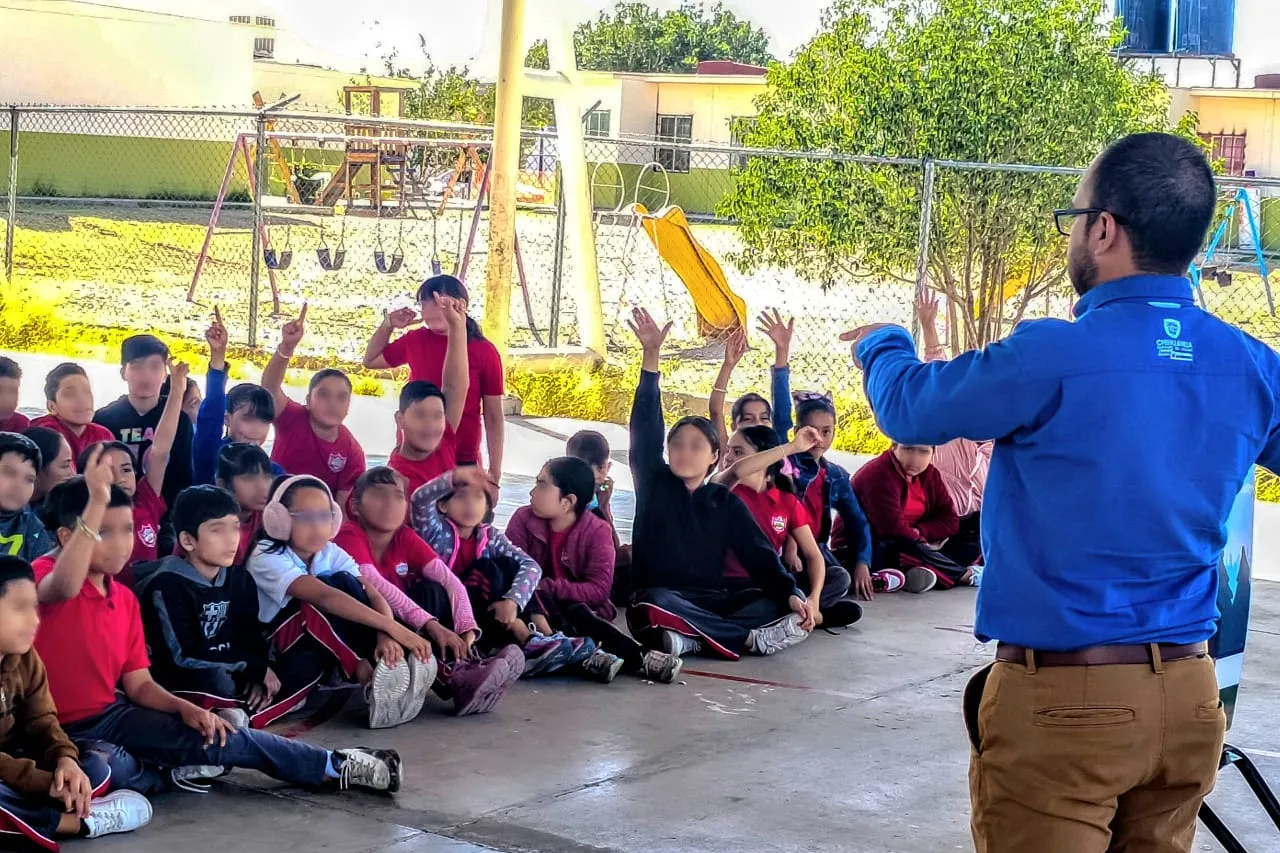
point(1235, 576)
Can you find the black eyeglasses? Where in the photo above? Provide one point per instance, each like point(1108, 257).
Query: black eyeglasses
point(1062, 219)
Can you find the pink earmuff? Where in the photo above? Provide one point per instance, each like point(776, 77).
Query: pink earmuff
point(276, 521)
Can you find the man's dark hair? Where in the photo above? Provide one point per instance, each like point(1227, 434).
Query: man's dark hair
point(379, 475)
point(49, 441)
point(14, 569)
point(54, 380)
point(10, 369)
point(142, 346)
point(417, 391)
point(240, 458)
point(252, 400)
point(1161, 190)
point(82, 461)
point(198, 504)
point(589, 446)
point(68, 500)
point(20, 445)
point(327, 373)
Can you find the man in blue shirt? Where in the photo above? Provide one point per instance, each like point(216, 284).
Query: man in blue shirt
point(1121, 441)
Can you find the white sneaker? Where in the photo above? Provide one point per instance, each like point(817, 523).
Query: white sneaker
point(771, 639)
point(374, 769)
point(396, 694)
point(235, 716)
point(679, 645)
point(195, 778)
point(920, 580)
point(122, 811)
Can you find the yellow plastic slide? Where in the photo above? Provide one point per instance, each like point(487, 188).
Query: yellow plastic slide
point(720, 310)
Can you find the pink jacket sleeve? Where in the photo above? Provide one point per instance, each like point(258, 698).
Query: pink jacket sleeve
point(464, 619)
point(401, 605)
point(597, 572)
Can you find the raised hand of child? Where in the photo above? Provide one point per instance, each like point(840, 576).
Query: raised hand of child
point(927, 308)
point(178, 373)
point(99, 476)
point(806, 438)
point(71, 787)
point(216, 335)
point(505, 611)
point(452, 647)
point(735, 348)
point(293, 331)
point(778, 332)
point(647, 331)
point(453, 310)
point(401, 318)
point(389, 651)
point(473, 476)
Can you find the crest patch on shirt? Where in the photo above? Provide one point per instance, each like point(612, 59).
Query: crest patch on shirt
point(337, 462)
point(147, 535)
point(402, 569)
point(779, 524)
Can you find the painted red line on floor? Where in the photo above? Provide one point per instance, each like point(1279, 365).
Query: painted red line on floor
point(329, 709)
point(741, 679)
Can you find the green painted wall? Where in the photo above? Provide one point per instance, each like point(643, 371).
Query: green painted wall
point(696, 192)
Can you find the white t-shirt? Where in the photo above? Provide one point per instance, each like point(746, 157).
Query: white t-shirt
point(273, 573)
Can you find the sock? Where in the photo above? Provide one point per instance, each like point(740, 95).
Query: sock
point(333, 767)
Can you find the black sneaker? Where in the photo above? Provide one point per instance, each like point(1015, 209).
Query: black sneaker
point(843, 613)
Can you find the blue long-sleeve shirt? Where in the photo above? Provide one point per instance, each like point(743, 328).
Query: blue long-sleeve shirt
point(837, 490)
point(1122, 440)
point(208, 440)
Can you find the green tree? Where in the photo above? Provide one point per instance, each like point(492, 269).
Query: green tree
point(991, 81)
point(636, 37)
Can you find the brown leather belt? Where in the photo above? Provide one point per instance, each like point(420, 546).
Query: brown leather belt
point(1101, 655)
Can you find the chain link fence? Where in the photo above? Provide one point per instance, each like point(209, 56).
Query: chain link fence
point(146, 218)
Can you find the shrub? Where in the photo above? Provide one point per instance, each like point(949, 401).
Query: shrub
point(1268, 487)
point(367, 386)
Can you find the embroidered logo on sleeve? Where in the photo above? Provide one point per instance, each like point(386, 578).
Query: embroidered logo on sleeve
point(1172, 346)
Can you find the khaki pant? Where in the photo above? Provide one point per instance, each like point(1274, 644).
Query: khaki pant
point(1087, 759)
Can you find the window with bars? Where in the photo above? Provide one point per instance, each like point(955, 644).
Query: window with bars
point(1229, 148)
point(674, 129)
point(241, 19)
point(264, 22)
point(599, 123)
point(264, 48)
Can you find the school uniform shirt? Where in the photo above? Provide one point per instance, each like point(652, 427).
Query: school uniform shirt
point(88, 643)
point(298, 450)
point(17, 422)
point(194, 623)
point(138, 430)
point(92, 434)
point(423, 350)
point(148, 509)
point(29, 726)
point(777, 513)
point(419, 472)
point(919, 510)
point(23, 535)
point(273, 573)
point(209, 437)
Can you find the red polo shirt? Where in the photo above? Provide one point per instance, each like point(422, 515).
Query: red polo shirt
point(17, 422)
point(298, 450)
point(423, 350)
point(148, 509)
point(93, 433)
point(88, 643)
point(777, 513)
point(419, 472)
point(403, 561)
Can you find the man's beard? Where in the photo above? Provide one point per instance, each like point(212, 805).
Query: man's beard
point(1082, 270)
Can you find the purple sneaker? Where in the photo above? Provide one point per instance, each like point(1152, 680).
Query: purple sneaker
point(479, 684)
point(547, 654)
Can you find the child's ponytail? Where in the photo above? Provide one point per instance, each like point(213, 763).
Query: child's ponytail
point(764, 438)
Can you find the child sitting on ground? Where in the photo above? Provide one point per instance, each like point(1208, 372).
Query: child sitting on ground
point(451, 515)
point(92, 642)
point(48, 788)
point(137, 417)
point(754, 473)
point(11, 420)
point(320, 613)
point(684, 530)
point(246, 472)
point(56, 462)
point(593, 448)
point(22, 533)
point(243, 414)
point(148, 505)
point(575, 550)
point(423, 593)
point(913, 519)
point(201, 616)
point(69, 398)
point(822, 484)
point(312, 439)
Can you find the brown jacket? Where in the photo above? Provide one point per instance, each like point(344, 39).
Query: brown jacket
point(29, 726)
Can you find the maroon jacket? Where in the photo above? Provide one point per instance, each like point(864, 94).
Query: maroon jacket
point(881, 488)
point(587, 577)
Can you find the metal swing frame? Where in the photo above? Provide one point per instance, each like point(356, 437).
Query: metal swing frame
point(1235, 757)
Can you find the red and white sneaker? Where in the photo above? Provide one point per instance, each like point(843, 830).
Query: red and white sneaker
point(888, 580)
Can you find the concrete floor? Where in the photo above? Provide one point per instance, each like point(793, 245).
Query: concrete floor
point(846, 743)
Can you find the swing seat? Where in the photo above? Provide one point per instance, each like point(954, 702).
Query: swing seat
point(720, 310)
point(331, 262)
point(388, 265)
point(277, 260)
